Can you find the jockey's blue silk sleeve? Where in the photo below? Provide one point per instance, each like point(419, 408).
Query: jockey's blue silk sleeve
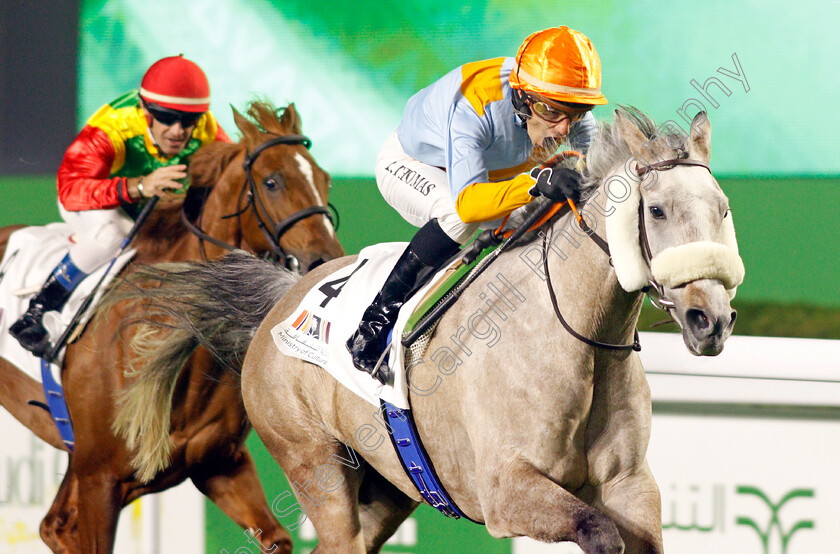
point(466, 149)
point(465, 123)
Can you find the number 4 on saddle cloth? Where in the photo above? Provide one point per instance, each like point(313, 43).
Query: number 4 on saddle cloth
point(330, 313)
point(318, 330)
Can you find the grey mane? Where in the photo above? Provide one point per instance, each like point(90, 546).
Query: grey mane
point(609, 149)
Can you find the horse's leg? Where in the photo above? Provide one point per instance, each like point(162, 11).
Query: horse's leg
point(233, 485)
point(325, 474)
point(59, 528)
point(83, 516)
point(325, 477)
point(100, 501)
point(618, 434)
point(632, 501)
point(519, 500)
point(383, 507)
point(16, 390)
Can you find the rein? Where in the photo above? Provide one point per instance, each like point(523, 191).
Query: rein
point(658, 299)
point(272, 231)
point(202, 236)
point(602, 244)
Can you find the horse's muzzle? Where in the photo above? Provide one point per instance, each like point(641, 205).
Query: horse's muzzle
point(707, 333)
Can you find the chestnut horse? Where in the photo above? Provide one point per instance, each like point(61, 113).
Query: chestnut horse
point(274, 205)
point(537, 423)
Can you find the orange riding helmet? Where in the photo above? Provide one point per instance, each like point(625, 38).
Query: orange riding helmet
point(559, 64)
point(178, 84)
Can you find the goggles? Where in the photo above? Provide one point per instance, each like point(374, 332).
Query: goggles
point(170, 117)
point(552, 114)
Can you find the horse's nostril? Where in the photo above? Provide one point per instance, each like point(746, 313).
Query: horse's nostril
point(697, 319)
point(732, 317)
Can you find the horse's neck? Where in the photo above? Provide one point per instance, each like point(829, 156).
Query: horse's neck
point(160, 235)
point(165, 238)
point(576, 263)
point(215, 223)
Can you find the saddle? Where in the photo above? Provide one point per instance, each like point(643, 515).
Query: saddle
point(31, 254)
point(329, 313)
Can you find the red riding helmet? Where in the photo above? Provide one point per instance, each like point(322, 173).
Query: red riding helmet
point(176, 83)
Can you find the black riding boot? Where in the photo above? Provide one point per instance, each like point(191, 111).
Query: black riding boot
point(29, 328)
point(412, 271)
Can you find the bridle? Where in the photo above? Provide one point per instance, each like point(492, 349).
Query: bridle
point(272, 230)
point(655, 292)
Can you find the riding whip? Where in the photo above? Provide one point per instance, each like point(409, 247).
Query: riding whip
point(52, 353)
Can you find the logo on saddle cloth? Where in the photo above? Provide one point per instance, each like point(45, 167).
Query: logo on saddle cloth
point(317, 330)
point(313, 326)
point(309, 336)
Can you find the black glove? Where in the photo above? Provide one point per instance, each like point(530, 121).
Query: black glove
point(558, 183)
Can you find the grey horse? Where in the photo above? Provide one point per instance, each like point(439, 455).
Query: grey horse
point(533, 431)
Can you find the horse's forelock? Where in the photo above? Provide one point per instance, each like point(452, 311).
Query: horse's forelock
point(609, 148)
point(281, 121)
point(208, 164)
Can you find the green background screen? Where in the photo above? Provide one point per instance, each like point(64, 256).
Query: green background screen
point(349, 67)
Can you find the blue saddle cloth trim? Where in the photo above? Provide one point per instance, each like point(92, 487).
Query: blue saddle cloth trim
point(415, 461)
point(58, 407)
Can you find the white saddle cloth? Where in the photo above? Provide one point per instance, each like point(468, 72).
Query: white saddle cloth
point(31, 255)
point(319, 328)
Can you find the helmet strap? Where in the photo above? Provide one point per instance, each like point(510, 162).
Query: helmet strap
point(520, 103)
point(155, 142)
point(146, 114)
point(520, 106)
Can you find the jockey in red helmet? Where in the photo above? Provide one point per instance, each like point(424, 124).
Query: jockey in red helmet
point(463, 155)
point(131, 149)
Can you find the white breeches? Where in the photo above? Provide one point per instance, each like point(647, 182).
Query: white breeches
point(99, 233)
point(418, 191)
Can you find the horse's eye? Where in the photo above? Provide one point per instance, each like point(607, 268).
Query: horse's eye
point(271, 183)
point(657, 212)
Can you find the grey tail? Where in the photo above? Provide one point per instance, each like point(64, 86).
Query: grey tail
point(216, 304)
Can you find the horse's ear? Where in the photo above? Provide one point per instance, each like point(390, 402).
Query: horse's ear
point(248, 129)
point(631, 134)
point(700, 142)
point(291, 120)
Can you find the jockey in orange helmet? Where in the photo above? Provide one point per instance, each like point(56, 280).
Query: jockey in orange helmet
point(131, 149)
point(463, 155)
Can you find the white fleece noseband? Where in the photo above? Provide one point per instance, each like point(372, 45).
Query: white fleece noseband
point(673, 266)
point(622, 228)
